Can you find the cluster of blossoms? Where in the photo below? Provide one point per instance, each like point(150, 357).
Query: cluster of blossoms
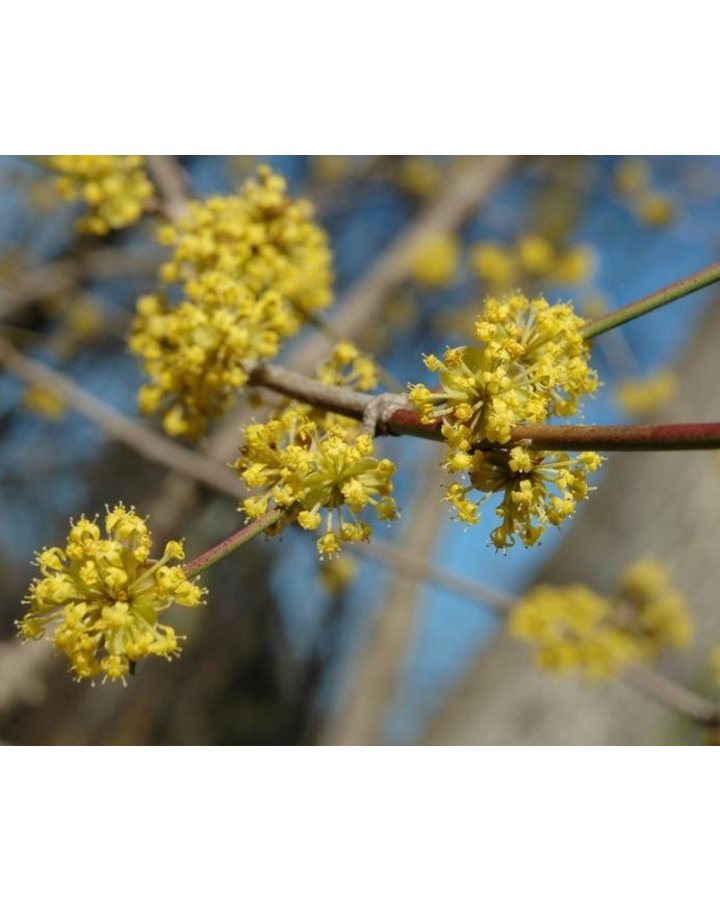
point(115, 189)
point(533, 258)
point(572, 628)
point(101, 596)
point(539, 488)
point(252, 268)
point(303, 468)
point(532, 363)
point(305, 462)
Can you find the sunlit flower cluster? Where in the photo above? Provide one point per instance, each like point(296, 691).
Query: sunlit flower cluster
point(321, 476)
point(198, 354)
point(115, 189)
point(100, 597)
point(420, 176)
point(532, 363)
point(572, 628)
point(640, 396)
point(532, 258)
point(259, 238)
point(435, 260)
point(539, 488)
point(251, 268)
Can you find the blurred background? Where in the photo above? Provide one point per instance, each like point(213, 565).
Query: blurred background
point(385, 645)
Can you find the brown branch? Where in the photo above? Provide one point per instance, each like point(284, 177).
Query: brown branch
point(396, 417)
point(139, 437)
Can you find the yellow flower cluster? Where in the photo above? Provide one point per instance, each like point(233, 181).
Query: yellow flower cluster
point(533, 257)
point(573, 628)
point(251, 267)
point(115, 189)
point(532, 363)
point(640, 396)
point(347, 367)
point(435, 260)
point(539, 488)
point(633, 179)
point(304, 466)
point(103, 596)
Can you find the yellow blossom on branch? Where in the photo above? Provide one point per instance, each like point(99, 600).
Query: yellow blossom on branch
point(251, 267)
point(348, 367)
point(539, 488)
point(198, 355)
point(99, 597)
point(319, 476)
point(531, 363)
point(260, 238)
point(115, 189)
point(572, 628)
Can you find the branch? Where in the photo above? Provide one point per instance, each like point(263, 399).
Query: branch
point(133, 434)
point(653, 684)
point(653, 301)
point(396, 417)
point(231, 544)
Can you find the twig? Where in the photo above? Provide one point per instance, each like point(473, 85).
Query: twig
point(171, 183)
point(231, 543)
point(133, 434)
point(65, 274)
point(653, 684)
point(396, 417)
point(653, 301)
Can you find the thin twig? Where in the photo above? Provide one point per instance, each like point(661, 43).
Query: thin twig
point(653, 301)
point(133, 434)
point(653, 684)
point(233, 542)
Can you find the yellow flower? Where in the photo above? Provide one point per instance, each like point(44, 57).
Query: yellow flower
point(654, 209)
point(539, 488)
point(639, 396)
point(251, 267)
point(532, 363)
point(574, 265)
point(632, 177)
point(198, 355)
point(347, 367)
point(101, 596)
point(115, 189)
point(44, 402)
point(494, 265)
point(573, 628)
point(536, 255)
point(570, 629)
point(435, 260)
point(303, 467)
point(260, 238)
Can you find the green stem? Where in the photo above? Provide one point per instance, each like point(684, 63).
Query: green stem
point(674, 291)
point(231, 543)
